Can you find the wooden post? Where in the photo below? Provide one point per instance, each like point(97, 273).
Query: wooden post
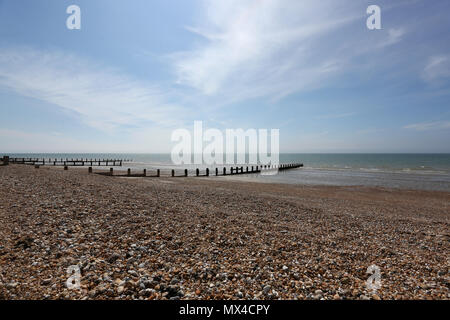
point(173, 173)
point(197, 172)
point(111, 171)
point(90, 169)
point(129, 172)
point(217, 171)
point(207, 172)
point(231, 170)
point(242, 169)
point(252, 169)
point(246, 169)
point(224, 171)
point(145, 172)
point(157, 172)
point(185, 172)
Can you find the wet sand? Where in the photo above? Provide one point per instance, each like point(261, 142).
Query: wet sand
point(212, 238)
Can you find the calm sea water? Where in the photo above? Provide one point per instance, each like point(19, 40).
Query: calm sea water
point(411, 171)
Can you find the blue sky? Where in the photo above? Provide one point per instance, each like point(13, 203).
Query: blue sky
point(139, 69)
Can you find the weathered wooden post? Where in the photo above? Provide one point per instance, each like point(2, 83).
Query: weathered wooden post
point(185, 172)
point(246, 169)
point(157, 172)
point(257, 168)
point(111, 171)
point(90, 170)
point(242, 169)
point(207, 172)
point(231, 169)
point(237, 170)
point(145, 172)
point(252, 169)
point(224, 171)
point(129, 172)
point(217, 171)
point(173, 173)
point(197, 172)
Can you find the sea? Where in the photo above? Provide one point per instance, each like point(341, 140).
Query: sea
point(405, 171)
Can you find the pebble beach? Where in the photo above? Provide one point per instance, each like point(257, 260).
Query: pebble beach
point(213, 238)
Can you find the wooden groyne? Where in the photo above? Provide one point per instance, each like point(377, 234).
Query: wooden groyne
point(200, 173)
point(68, 162)
point(223, 171)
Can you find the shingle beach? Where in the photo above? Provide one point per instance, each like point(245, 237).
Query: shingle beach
point(212, 238)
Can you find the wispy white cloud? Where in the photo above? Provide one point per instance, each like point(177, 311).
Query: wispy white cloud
point(437, 67)
point(335, 115)
point(274, 48)
point(394, 36)
point(426, 126)
point(139, 140)
point(103, 97)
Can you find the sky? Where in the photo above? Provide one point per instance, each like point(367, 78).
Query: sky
point(138, 70)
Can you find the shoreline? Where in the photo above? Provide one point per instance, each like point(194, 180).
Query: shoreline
point(203, 238)
point(266, 179)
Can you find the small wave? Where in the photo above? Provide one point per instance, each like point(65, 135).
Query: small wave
point(371, 169)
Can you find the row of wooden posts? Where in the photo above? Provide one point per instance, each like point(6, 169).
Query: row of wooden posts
point(5, 160)
point(223, 172)
point(118, 162)
point(68, 162)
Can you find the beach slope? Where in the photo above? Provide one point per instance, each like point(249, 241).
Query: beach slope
point(210, 238)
